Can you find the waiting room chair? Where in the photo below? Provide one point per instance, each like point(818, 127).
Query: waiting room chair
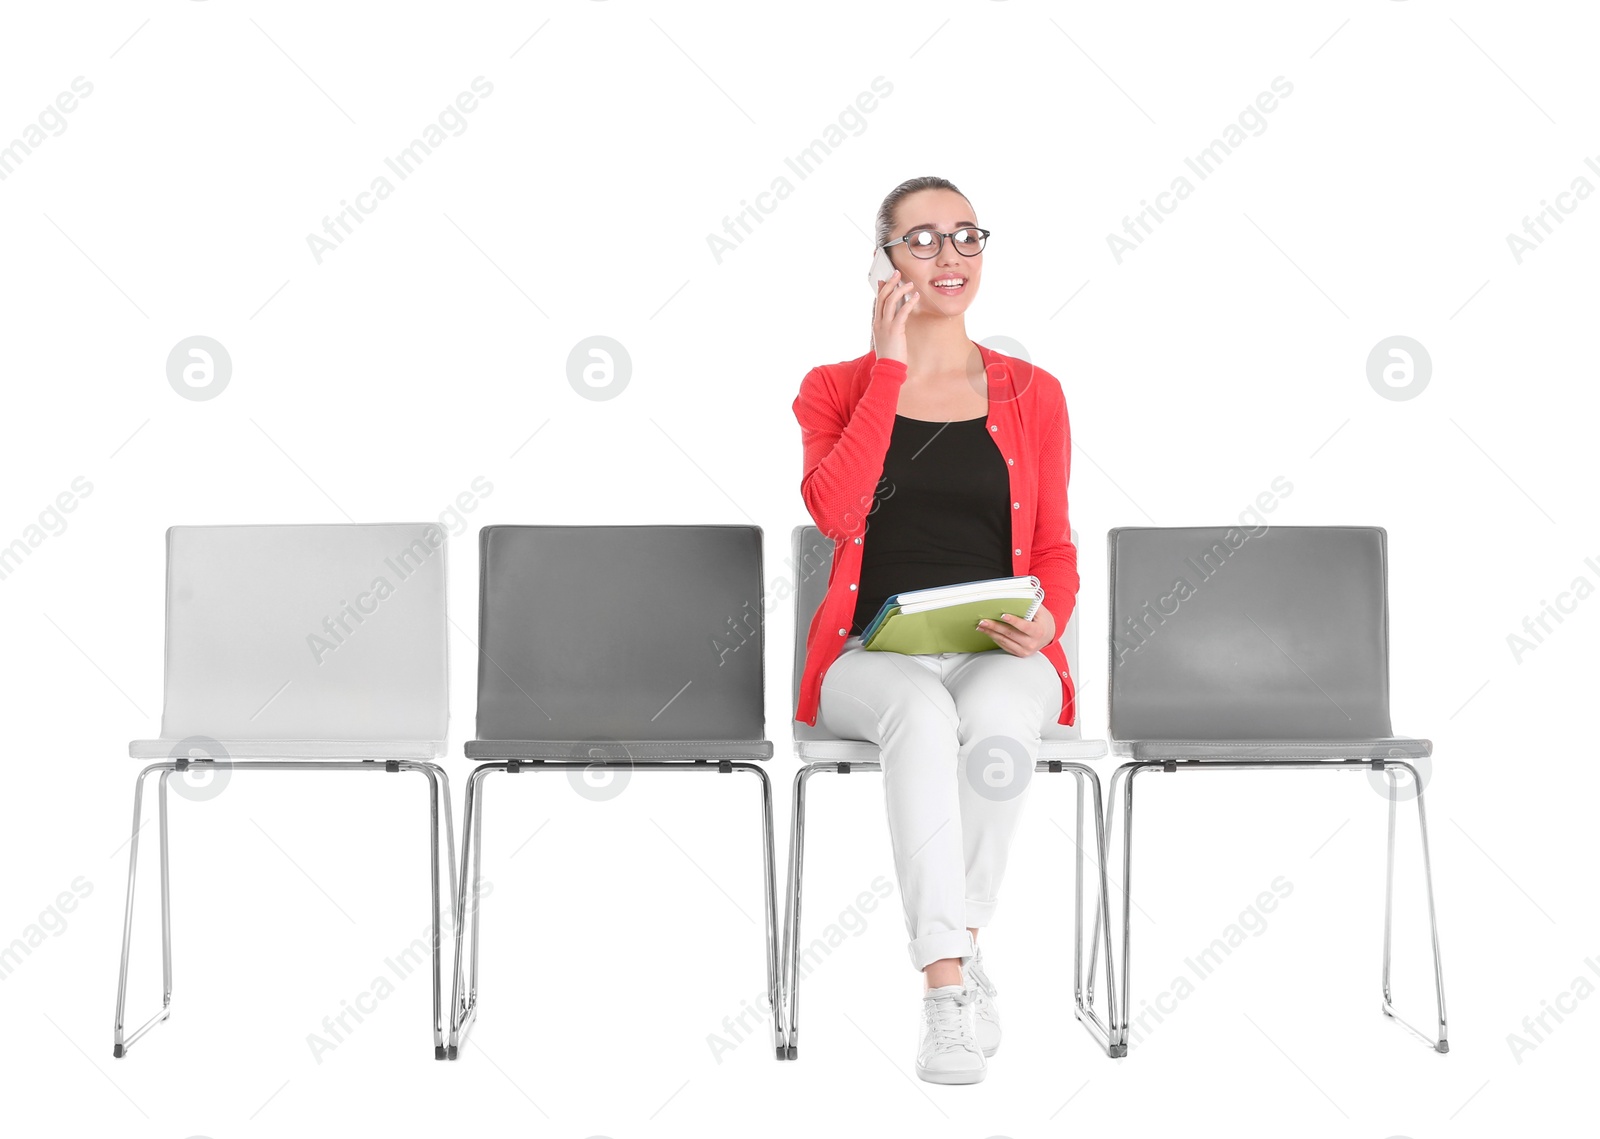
point(629, 648)
point(298, 648)
point(1063, 748)
point(1233, 651)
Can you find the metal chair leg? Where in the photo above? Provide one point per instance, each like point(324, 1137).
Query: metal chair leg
point(1103, 1031)
point(464, 1000)
point(477, 888)
point(1127, 903)
point(1441, 1043)
point(122, 1042)
point(438, 793)
point(1119, 1015)
point(1077, 892)
point(450, 854)
point(768, 859)
point(166, 894)
point(791, 911)
point(1102, 914)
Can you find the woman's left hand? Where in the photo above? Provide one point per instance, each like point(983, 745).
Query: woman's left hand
point(1021, 637)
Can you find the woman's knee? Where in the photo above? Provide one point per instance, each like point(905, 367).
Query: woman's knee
point(998, 768)
point(1010, 699)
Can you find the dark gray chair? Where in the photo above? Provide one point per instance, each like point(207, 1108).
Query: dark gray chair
point(625, 648)
point(1062, 748)
point(1239, 650)
point(298, 648)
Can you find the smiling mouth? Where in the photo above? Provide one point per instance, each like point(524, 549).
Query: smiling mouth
point(950, 284)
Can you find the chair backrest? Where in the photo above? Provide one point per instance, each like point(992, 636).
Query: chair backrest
point(811, 558)
point(1239, 633)
point(318, 632)
point(620, 633)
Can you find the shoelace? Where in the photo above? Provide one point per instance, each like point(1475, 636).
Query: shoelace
point(975, 971)
point(945, 1023)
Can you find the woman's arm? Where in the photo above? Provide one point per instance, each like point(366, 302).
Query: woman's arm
point(1054, 558)
point(844, 451)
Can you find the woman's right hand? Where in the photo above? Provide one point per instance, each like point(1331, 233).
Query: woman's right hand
point(889, 319)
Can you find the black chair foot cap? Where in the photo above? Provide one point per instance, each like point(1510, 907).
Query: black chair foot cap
point(794, 1051)
point(1442, 1046)
point(116, 1051)
point(452, 1052)
point(438, 1051)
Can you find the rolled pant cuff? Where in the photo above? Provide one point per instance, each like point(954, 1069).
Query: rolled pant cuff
point(933, 947)
point(980, 914)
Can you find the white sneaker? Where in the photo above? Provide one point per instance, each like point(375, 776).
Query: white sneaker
point(985, 1010)
point(949, 1053)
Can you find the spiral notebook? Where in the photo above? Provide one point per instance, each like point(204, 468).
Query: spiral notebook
point(945, 619)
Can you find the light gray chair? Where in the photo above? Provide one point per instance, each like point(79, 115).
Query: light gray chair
point(1063, 748)
point(623, 648)
point(1232, 650)
point(298, 648)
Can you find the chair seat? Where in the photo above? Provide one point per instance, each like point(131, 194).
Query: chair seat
point(631, 749)
point(1387, 748)
point(297, 749)
point(865, 751)
point(804, 732)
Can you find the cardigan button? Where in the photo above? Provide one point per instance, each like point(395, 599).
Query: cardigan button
point(841, 633)
point(994, 428)
point(858, 541)
point(1011, 462)
point(1016, 551)
point(1016, 506)
point(852, 585)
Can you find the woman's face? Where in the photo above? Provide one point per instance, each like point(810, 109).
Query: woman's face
point(945, 211)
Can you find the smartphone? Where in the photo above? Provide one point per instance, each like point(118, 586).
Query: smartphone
point(882, 269)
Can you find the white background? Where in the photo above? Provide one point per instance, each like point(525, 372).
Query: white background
point(430, 348)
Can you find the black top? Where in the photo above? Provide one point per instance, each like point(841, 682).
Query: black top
point(941, 513)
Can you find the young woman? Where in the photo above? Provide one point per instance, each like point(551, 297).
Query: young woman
point(960, 456)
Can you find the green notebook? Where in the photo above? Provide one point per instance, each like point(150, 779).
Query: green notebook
point(945, 619)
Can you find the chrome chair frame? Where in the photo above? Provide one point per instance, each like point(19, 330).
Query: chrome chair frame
point(438, 802)
point(464, 989)
point(1102, 1030)
point(1125, 774)
point(808, 540)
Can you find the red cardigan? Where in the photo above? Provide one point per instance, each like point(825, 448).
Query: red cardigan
point(846, 413)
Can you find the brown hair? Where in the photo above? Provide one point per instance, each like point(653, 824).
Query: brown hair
point(883, 230)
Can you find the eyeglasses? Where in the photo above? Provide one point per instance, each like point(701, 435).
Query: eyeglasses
point(922, 244)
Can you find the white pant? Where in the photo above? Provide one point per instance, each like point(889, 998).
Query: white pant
point(958, 734)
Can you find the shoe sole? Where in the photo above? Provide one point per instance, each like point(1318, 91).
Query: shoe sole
point(964, 1077)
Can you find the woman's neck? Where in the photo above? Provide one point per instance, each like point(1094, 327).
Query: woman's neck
point(938, 347)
